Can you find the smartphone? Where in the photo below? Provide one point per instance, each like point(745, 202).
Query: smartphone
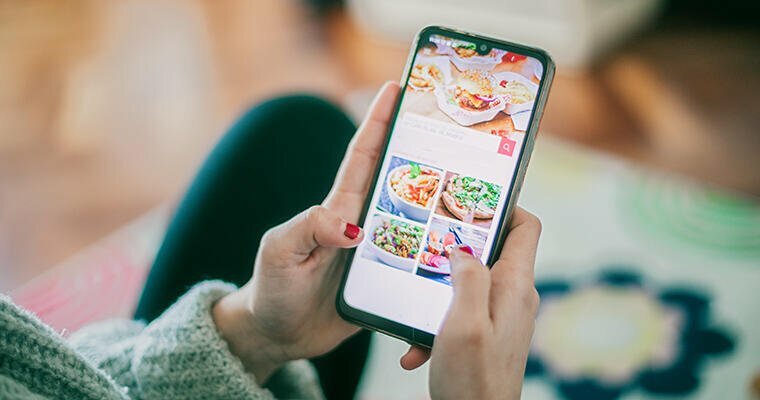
point(450, 174)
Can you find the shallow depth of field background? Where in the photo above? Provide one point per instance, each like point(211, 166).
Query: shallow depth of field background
point(646, 175)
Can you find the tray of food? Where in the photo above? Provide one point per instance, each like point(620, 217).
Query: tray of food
point(518, 92)
point(466, 57)
point(430, 72)
point(470, 99)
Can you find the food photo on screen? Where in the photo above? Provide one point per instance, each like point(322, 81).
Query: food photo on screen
point(393, 242)
point(442, 238)
point(409, 189)
point(429, 72)
point(465, 56)
point(493, 93)
point(468, 199)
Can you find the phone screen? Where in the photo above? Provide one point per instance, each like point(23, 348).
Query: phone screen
point(445, 178)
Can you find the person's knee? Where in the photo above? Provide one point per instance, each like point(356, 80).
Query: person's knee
point(297, 110)
point(306, 126)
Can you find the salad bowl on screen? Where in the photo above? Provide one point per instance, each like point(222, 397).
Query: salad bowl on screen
point(396, 243)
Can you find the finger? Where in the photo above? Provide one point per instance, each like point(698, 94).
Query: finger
point(519, 252)
point(414, 358)
point(317, 226)
point(512, 276)
point(358, 166)
point(471, 281)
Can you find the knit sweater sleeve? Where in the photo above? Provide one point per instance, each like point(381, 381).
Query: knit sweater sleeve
point(181, 355)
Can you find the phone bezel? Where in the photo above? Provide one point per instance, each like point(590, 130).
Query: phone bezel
point(399, 330)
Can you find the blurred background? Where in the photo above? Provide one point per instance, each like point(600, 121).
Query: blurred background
point(647, 171)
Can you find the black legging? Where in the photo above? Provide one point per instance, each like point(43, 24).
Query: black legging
point(280, 158)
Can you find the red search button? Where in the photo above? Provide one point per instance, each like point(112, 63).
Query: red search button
point(507, 146)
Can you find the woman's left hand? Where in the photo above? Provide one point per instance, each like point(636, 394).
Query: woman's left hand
point(287, 310)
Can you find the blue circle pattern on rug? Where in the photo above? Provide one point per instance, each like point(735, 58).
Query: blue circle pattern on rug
point(693, 338)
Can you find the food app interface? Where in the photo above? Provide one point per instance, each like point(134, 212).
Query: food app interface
point(445, 178)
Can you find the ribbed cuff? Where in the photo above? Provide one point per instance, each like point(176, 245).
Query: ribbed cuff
point(182, 354)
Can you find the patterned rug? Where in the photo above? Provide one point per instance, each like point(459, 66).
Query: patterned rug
point(648, 283)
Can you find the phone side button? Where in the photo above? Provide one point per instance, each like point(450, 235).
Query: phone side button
point(423, 338)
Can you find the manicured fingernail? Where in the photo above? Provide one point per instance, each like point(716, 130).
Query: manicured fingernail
point(467, 249)
point(352, 231)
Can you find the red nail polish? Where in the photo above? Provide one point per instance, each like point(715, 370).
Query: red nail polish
point(352, 231)
point(467, 249)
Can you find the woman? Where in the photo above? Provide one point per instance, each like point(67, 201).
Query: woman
point(220, 341)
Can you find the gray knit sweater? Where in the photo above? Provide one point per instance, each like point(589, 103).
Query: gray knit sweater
point(180, 355)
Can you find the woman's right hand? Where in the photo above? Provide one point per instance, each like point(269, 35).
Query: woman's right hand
point(482, 347)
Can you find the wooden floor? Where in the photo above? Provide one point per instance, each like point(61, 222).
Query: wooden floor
point(107, 108)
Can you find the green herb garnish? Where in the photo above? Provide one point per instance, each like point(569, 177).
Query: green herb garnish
point(414, 170)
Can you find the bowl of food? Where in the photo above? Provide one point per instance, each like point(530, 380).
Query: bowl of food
point(470, 99)
point(429, 72)
point(412, 188)
point(396, 243)
point(518, 92)
point(469, 198)
point(465, 56)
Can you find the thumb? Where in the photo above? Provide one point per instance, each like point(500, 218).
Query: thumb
point(315, 227)
point(471, 281)
point(414, 358)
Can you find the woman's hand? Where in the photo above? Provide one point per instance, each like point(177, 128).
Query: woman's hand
point(482, 347)
point(287, 310)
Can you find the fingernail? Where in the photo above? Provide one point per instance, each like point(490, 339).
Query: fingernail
point(352, 231)
point(467, 249)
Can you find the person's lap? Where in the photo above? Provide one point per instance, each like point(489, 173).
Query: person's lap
point(277, 160)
